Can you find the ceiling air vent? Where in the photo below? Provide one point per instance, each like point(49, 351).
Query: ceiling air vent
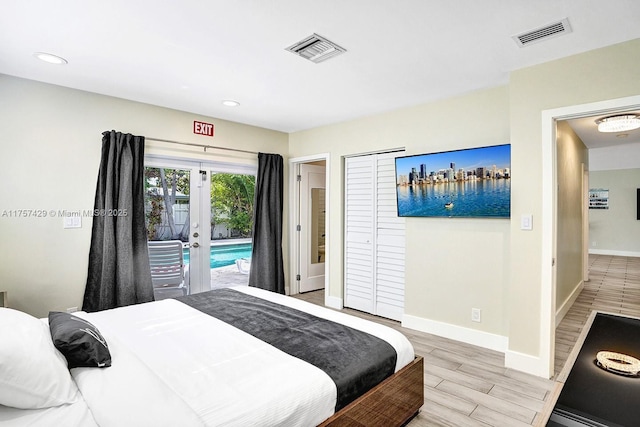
point(316, 48)
point(549, 31)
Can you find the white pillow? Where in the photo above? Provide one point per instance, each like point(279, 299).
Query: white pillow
point(33, 374)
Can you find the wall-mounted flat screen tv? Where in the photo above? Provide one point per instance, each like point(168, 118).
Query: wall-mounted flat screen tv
point(469, 183)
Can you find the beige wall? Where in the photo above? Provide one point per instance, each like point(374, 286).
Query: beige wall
point(616, 230)
point(593, 76)
point(572, 157)
point(50, 153)
point(452, 264)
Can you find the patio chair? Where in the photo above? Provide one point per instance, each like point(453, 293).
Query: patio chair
point(168, 273)
point(244, 265)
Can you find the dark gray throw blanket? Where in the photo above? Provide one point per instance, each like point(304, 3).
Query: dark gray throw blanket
point(356, 361)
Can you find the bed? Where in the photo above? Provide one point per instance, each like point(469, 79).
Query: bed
point(211, 359)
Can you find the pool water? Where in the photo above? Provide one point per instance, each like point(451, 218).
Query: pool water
point(223, 255)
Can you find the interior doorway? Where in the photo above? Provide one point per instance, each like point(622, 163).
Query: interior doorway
point(309, 213)
point(549, 209)
point(585, 224)
point(312, 225)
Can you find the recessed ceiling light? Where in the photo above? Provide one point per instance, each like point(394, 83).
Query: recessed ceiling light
point(230, 103)
point(51, 59)
point(620, 123)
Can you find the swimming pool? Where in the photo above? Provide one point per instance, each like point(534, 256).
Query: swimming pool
point(223, 255)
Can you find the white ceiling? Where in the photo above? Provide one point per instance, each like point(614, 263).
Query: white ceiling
point(192, 54)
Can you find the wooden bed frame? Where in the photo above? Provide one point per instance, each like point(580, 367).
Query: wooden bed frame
point(392, 403)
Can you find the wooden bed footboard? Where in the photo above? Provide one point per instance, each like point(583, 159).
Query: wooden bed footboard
point(392, 403)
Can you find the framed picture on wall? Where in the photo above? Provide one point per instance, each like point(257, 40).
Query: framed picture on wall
point(465, 183)
point(598, 198)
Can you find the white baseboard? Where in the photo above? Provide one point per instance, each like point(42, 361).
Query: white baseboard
point(564, 309)
point(525, 363)
point(333, 302)
point(470, 336)
point(614, 253)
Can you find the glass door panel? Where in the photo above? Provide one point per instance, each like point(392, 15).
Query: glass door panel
point(173, 197)
point(167, 204)
point(231, 216)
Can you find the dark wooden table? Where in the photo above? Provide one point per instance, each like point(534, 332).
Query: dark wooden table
point(592, 396)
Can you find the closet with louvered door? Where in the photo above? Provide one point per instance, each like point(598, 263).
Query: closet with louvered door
point(374, 237)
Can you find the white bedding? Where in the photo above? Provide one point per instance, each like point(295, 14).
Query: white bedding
point(174, 365)
point(75, 414)
point(216, 373)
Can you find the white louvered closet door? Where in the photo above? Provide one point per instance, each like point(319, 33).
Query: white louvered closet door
point(359, 232)
point(375, 237)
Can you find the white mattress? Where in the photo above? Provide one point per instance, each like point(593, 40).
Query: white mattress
point(174, 365)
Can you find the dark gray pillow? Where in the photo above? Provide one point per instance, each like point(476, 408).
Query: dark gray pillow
point(79, 341)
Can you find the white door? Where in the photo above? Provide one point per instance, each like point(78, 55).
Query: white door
point(375, 237)
point(174, 211)
point(359, 232)
point(390, 241)
point(180, 205)
point(312, 220)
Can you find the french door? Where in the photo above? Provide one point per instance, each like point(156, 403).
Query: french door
point(208, 207)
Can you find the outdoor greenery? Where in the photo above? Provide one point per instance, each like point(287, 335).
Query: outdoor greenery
point(231, 203)
point(161, 189)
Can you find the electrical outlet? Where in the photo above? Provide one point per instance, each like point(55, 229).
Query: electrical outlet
point(475, 315)
point(72, 309)
point(594, 244)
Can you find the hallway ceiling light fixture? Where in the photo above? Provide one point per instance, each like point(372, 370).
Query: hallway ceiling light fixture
point(620, 123)
point(50, 58)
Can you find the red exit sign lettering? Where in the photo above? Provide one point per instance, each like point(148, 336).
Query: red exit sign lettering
point(201, 128)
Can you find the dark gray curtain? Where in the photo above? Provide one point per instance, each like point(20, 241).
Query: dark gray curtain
point(119, 272)
point(267, 269)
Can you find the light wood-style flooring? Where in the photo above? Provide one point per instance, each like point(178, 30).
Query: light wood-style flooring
point(466, 385)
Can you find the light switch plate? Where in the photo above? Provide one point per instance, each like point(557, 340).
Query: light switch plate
point(526, 222)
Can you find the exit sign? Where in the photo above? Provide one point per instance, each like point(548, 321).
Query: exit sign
point(201, 128)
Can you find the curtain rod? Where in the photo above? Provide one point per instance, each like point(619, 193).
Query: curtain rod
point(201, 145)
